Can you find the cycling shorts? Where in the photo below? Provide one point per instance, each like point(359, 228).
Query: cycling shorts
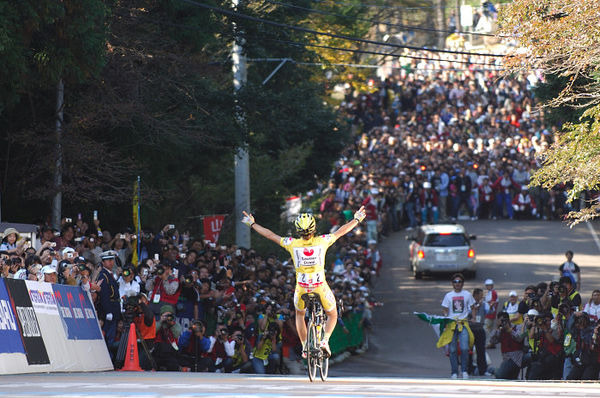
point(323, 291)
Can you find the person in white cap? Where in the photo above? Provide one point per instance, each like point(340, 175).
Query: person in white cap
point(110, 301)
point(512, 308)
point(491, 298)
point(374, 257)
point(50, 274)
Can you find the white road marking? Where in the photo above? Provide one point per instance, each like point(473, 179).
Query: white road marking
point(594, 234)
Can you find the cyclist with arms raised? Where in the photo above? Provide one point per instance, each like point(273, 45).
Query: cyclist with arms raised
point(308, 254)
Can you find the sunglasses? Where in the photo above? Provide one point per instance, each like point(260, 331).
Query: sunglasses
point(457, 281)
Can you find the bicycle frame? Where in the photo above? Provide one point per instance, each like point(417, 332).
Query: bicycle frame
point(316, 358)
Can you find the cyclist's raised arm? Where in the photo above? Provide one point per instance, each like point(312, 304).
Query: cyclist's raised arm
point(267, 233)
point(350, 225)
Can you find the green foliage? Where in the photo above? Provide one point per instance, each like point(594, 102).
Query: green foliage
point(560, 39)
point(551, 87)
point(149, 92)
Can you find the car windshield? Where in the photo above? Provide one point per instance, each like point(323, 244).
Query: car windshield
point(445, 240)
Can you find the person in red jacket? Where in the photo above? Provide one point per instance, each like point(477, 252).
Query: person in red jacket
point(486, 200)
point(524, 205)
point(502, 187)
point(428, 199)
point(163, 289)
point(510, 338)
point(370, 204)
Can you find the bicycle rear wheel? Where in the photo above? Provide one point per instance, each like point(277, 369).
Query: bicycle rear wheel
point(312, 358)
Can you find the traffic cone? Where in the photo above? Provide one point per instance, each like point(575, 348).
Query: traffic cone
point(132, 360)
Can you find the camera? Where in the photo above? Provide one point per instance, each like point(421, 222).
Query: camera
point(539, 321)
point(132, 309)
point(160, 270)
point(562, 289)
point(272, 329)
point(169, 320)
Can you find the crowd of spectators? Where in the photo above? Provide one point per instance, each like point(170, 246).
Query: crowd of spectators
point(442, 140)
point(549, 332)
point(197, 305)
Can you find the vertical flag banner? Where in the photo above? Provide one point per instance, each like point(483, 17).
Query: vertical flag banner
point(212, 227)
point(136, 223)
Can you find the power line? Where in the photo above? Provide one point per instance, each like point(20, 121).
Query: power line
point(385, 6)
point(355, 65)
point(299, 44)
point(315, 32)
point(409, 27)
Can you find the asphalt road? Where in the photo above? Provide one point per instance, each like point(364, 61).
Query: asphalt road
point(178, 384)
point(512, 253)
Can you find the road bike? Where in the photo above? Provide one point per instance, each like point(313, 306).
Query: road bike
point(316, 358)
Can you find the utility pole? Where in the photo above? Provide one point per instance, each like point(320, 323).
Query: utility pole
point(242, 173)
point(57, 200)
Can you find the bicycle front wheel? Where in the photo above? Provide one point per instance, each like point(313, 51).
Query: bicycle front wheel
point(312, 348)
point(324, 368)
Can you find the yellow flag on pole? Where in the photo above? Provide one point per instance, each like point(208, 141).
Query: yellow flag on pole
point(136, 222)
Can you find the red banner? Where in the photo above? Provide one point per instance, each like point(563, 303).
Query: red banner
point(212, 227)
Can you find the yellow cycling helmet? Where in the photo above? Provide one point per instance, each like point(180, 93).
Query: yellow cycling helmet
point(305, 224)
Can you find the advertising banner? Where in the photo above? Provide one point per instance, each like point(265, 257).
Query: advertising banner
point(77, 313)
point(10, 336)
point(33, 341)
point(42, 298)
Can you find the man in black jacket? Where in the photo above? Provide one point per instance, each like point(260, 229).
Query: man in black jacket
point(463, 194)
point(110, 302)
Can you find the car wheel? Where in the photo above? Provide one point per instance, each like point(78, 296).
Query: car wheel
point(470, 274)
point(417, 274)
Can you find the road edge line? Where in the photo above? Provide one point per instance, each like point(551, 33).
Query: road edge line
point(594, 234)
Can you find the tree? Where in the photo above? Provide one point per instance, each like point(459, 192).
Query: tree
point(561, 40)
point(158, 104)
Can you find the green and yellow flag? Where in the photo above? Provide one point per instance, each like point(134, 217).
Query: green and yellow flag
point(136, 223)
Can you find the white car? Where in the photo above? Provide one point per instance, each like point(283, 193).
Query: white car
point(441, 248)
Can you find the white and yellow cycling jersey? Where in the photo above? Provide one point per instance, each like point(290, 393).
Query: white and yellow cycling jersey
point(309, 261)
